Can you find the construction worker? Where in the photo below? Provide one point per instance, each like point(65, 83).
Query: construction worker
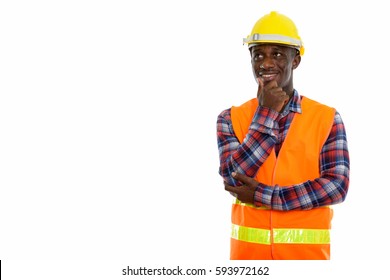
point(282, 155)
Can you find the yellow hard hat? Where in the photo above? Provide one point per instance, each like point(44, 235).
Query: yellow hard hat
point(275, 28)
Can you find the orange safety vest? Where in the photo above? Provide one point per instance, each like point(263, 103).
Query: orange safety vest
point(262, 233)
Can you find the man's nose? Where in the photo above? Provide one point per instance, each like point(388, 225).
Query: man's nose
point(268, 63)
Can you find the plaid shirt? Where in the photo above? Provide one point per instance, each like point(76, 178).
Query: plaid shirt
point(267, 131)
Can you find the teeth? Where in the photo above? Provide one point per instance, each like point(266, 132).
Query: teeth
point(267, 75)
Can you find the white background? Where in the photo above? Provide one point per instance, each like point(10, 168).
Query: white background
point(107, 123)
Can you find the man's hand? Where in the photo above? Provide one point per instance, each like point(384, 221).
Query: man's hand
point(271, 95)
point(246, 192)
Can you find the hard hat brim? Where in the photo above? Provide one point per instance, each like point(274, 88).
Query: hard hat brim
point(277, 39)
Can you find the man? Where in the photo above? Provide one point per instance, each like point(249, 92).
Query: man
point(283, 156)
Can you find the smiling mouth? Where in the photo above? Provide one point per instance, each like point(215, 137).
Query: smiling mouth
point(268, 77)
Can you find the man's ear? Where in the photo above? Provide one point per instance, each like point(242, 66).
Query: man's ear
point(296, 61)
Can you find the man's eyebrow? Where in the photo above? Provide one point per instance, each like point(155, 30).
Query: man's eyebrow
point(280, 48)
point(257, 50)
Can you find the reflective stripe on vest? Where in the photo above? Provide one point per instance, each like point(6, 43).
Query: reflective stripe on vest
point(254, 235)
point(291, 236)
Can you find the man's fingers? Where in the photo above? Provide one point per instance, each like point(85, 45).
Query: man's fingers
point(243, 178)
point(245, 193)
point(260, 90)
point(248, 183)
point(230, 188)
point(260, 82)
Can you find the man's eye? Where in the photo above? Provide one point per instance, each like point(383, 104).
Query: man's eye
point(278, 54)
point(258, 56)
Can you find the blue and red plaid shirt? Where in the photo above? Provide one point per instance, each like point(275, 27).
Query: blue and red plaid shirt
point(267, 131)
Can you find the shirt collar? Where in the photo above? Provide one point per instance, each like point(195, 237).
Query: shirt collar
point(294, 104)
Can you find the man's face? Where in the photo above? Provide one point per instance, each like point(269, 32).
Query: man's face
point(275, 62)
